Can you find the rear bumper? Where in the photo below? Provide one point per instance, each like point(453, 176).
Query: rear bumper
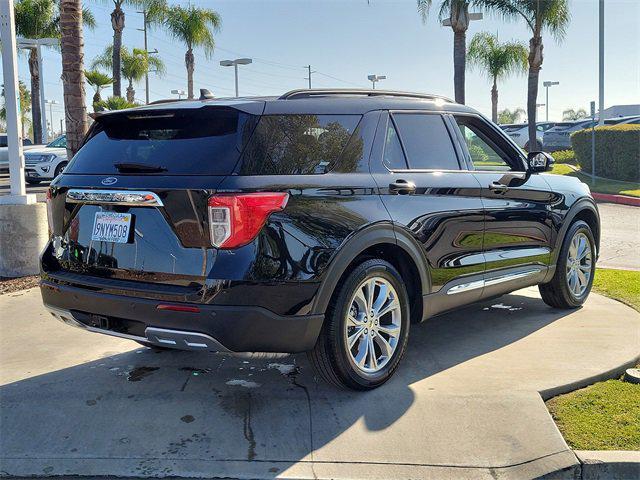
point(225, 329)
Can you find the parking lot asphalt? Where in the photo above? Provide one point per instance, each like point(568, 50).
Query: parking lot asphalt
point(467, 401)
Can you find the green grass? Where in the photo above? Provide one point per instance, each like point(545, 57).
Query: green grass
point(603, 416)
point(623, 285)
point(601, 185)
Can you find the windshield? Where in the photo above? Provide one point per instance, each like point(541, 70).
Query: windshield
point(207, 141)
point(60, 142)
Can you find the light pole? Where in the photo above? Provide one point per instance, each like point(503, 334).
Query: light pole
point(376, 78)
point(601, 64)
point(179, 93)
point(234, 64)
point(51, 103)
point(547, 85)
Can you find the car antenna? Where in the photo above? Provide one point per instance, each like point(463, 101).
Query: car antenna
point(205, 94)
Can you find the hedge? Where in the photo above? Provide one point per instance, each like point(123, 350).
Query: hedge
point(564, 156)
point(617, 151)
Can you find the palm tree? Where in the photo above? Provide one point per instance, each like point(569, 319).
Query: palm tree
point(113, 103)
point(72, 45)
point(539, 15)
point(457, 12)
point(40, 19)
point(194, 27)
point(98, 81)
point(498, 60)
point(135, 64)
point(508, 116)
point(25, 107)
point(571, 114)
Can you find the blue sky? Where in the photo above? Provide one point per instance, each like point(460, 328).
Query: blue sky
point(347, 40)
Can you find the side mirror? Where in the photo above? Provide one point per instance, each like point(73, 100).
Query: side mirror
point(540, 162)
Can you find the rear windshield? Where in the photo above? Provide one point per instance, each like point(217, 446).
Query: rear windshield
point(206, 141)
point(301, 145)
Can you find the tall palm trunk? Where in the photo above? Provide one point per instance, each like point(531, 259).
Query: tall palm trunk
point(117, 23)
point(459, 18)
point(190, 62)
point(36, 108)
point(131, 93)
point(72, 45)
point(494, 101)
point(535, 64)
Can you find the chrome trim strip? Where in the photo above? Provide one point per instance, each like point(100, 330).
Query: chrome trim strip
point(466, 287)
point(131, 198)
point(184, 340)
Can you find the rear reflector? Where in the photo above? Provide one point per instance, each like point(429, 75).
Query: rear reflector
point(178, 308)
point(236, 219)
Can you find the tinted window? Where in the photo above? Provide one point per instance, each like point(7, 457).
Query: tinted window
point(301, 145)
point(3, 140)
point(206, 141)
point(27, 141)
point(393, 154)
point(426, 141)
point(483, 147)
point(60, 142)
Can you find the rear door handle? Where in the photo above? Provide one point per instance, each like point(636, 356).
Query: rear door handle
point(498, 187)
point(402, 187)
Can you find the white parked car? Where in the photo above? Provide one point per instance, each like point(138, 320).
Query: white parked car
point(46, 163)
point(520, 134)
point(4, 151)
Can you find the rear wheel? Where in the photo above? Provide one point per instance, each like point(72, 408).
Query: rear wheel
point(366, 328)
point(575, 269)
point(60, 168)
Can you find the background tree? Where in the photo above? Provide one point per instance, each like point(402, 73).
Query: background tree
point(72, 45)
point(194, 27)
point(539, 15)
point(497, 60)
point(40, 19)
point(571, 114)
point(510, 116)
point(113, 103)
point(135, 64)
point(457, 11)
point(98, 81)
point(25, 107)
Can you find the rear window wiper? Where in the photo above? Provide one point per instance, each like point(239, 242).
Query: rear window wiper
point(138, 168)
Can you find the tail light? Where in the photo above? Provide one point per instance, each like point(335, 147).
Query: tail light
point(236, 219)
point(49, 211)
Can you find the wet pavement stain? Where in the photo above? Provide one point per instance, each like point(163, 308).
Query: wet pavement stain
point(139, 373)
point(187, 419)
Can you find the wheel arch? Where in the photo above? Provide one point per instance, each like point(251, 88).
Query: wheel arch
point(379, 241)
point(586, 210)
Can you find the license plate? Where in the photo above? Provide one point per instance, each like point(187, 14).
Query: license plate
point(111, 227)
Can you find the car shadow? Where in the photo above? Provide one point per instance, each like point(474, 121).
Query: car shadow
point(162, 413)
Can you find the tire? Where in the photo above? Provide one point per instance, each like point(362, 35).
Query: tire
point(558, 292)
point(331, 357)
point(59, 169)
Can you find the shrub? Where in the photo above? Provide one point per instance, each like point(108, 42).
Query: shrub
point(617, 151)
point(565, 156)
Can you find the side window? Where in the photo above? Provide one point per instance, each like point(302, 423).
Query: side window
point(484, 154)
point(426, 141)
point(393, 154)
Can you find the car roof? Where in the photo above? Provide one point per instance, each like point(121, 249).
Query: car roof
point(315, 101)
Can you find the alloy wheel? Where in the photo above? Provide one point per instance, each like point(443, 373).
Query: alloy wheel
point(579, 264)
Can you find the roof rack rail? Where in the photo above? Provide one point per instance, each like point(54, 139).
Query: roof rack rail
point(325, 92)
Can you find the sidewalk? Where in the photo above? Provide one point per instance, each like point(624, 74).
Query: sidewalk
point(465, 402)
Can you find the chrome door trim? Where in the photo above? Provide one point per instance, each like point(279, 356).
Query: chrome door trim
point(510, 277)
point(130, 198)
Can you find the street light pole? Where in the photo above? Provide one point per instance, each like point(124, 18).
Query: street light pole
point(547, 85)
point(601, 65)
point(376, 78)
point(51, 103)
point(234, 64)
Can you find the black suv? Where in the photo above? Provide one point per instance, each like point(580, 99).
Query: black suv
point(324, 221)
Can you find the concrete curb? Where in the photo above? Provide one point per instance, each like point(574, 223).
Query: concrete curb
point(605, 464)
point(619, 199)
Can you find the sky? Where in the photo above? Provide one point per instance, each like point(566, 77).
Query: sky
point(346, 40)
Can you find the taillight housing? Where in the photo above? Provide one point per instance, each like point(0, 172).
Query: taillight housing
point(236, 219)
point(49, 211)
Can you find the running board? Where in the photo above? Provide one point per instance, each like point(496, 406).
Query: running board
point(476, 284)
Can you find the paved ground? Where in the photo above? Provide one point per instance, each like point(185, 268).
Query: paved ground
point(620, 225)
point(464, 403)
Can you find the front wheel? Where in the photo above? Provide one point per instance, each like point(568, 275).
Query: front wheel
point(59, 169)
point(366, 328)
point(575, 269)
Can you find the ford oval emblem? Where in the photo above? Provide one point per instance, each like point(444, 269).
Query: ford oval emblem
point(109, 181)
